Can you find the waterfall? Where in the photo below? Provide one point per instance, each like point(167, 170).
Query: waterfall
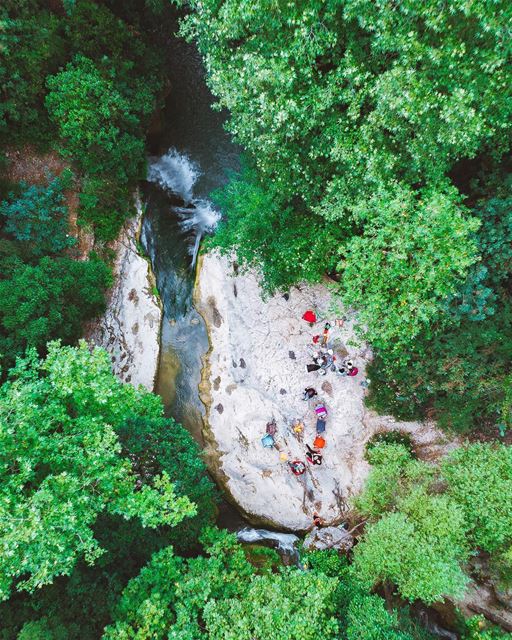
point(284, 543)
point(177, 174)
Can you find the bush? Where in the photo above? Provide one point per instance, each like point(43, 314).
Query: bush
point(49, 300)
point(38, 217)
point(390, 437)
point(104, 204)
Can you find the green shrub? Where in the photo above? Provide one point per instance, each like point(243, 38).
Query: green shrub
point(105, 205)
point(38, 217)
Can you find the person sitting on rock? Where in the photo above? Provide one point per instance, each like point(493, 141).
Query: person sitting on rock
point(309, 393)
point(297, 467)
point(312, 456)
point(317, 520)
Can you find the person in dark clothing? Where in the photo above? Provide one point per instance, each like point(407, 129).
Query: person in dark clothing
point(312, 367)
point(312, 456)
point(309, 393)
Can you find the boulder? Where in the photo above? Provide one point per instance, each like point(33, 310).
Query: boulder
point(255, 371)
point(321, 538)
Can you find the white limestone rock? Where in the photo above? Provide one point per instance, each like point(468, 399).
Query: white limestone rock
point(255, 371)
point(130, 328)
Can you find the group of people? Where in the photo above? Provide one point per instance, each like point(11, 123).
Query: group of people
point(324, 360)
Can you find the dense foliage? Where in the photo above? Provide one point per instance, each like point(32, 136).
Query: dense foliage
point(379, 135)
point(157, 444)
point(425, 521)
point(61, 464)
point(37, 217)
point(87, 81)
point(222, 596)
point(48, 300)
point(45, 293)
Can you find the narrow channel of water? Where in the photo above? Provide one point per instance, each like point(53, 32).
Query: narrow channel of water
point(190, 155)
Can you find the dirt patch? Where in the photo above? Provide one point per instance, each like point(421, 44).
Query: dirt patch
point(217, 318)
point(28, 165)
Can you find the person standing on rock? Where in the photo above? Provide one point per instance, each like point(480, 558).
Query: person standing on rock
point(325, 336)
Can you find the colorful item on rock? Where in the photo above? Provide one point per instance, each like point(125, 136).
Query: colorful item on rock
point(309, 316)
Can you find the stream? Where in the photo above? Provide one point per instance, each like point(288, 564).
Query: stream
point(190, 155)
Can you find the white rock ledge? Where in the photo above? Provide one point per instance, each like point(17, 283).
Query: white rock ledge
point(130, 328)
point(255, 371)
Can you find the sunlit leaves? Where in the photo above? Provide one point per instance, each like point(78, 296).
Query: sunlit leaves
point(60, 465)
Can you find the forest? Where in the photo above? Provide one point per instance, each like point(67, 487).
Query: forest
point(376, 151)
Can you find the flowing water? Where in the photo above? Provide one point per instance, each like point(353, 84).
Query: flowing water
point(190, 155)
point(284, 543)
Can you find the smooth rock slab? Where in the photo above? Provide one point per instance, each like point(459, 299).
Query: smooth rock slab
point(261, 333)
point(130, 328)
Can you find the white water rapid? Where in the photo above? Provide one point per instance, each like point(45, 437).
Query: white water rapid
point(283, 542)
point(176, 173)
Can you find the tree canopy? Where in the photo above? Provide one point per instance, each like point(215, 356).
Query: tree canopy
point(61, 465)
point(424, 521)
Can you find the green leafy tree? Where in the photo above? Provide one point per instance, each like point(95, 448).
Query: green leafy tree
point(61, 465)
point(37, 218)
point(31, 47)
point(343, 99)
point(49, 300)
point(155, 445)
point(458, 367)
point(285, 244)
point(409, 259)
point(362, 615)
point(221, 596)
point(273, 606)
point(479, 477)
point(105, 205)
point(424, 521)
point(416, 539)
point(96, 120)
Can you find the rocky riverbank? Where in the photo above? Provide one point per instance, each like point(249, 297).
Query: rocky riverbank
point(255, 371)
point(130, 328)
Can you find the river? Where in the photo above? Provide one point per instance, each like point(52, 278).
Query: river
point(190, 155)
